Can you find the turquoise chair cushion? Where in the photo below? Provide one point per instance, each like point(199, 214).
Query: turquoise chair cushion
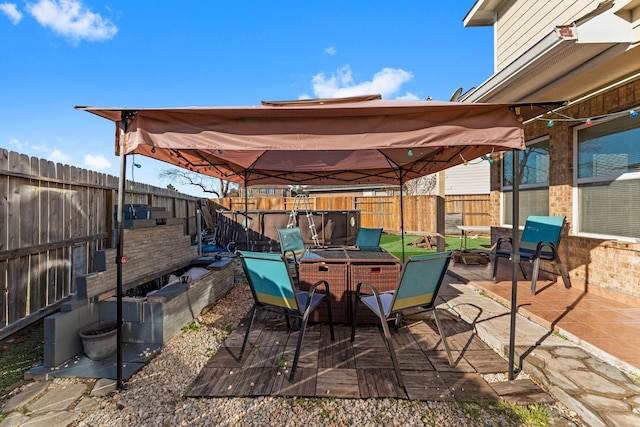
point(421, 278)
point(541, 229)
point(269, 279)
point(368, 237)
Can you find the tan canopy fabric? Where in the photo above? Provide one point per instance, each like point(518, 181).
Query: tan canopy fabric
point(355, 140)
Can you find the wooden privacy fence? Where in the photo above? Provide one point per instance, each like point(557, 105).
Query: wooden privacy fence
point(53, 218)
point(419, 212)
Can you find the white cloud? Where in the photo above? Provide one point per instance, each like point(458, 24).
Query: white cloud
point(385, 82)
point(72, 19)
point(41, 147)
point(12, 12)
point(19, 145)
point(409, 97)
point(97, 163)
point(59, 157)
point(330, 50)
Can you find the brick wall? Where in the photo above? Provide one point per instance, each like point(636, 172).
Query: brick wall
point(605, 267)
point(148, 250)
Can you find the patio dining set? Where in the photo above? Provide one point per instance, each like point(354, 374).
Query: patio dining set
point(332, 277)
point(364, 284)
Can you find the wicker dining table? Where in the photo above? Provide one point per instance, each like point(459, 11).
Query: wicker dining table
point(343, 268)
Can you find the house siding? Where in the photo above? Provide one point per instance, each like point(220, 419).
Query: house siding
point(470, 179)
point(522, 23)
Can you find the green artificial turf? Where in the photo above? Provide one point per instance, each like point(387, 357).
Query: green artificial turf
point(393, 243)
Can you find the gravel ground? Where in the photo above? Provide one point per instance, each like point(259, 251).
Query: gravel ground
point(155, 395)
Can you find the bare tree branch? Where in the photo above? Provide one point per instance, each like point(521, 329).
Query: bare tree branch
point(422, 185)
point(218, 187)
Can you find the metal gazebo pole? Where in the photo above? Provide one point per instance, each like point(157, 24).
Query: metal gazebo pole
point(120, 246)
point(402, 218)
point(246, 211)
point(515, 259)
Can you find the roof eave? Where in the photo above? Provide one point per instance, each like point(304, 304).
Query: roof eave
point(564, 54)
point(482, 14)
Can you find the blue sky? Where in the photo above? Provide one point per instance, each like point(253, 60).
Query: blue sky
point(61, 53)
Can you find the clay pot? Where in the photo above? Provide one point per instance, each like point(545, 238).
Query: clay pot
point(99, 340)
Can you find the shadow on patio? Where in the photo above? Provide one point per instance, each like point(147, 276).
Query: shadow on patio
point(362, 369)
point(605, 327)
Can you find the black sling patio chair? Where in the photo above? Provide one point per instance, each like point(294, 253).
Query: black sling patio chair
point(540, 240)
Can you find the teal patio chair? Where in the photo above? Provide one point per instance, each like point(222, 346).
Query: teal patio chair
point(368, 237)
point(292, 246)
point(540, 240)
point(417, 287)
point(273, 290)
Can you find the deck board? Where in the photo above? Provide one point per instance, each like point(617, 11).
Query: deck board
point(360, 369)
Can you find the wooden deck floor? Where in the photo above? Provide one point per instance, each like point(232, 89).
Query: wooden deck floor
point(362, 369)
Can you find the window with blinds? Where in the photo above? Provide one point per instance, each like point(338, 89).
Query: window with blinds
point(608, 178)
point(533, 171)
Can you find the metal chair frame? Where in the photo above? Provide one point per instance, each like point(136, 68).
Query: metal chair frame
point(273, 290)
point(418, 286)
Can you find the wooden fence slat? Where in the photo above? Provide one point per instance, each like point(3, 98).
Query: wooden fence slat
point(419, 212)
point(4, 237)
point(17, 295)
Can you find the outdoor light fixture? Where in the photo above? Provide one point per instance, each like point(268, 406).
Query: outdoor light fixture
point(588, 121)
point(488, 158)
point(153, 149)
point(138, 165)
point(219, 151)
point(410, 153)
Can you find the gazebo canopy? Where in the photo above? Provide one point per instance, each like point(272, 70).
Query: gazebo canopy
point(355, 140)
point(358, 140)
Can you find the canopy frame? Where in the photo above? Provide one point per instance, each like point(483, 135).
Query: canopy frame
point(218, 137)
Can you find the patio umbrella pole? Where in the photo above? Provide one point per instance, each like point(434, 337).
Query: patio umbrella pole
point(120, 249)
point(515, 259)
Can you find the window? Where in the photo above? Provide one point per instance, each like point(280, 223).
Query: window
point(608, 178)
point(534, 181)
point(272, 191)
point(263, 191)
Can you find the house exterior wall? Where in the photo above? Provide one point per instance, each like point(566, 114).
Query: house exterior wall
point(606, 267)
point(521, 23)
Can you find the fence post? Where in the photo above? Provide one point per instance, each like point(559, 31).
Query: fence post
point(440, 224)
point(440, 214)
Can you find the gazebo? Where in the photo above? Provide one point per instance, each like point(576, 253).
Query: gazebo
point(358, 140)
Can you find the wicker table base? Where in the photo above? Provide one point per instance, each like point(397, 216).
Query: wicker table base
point(344, 269)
